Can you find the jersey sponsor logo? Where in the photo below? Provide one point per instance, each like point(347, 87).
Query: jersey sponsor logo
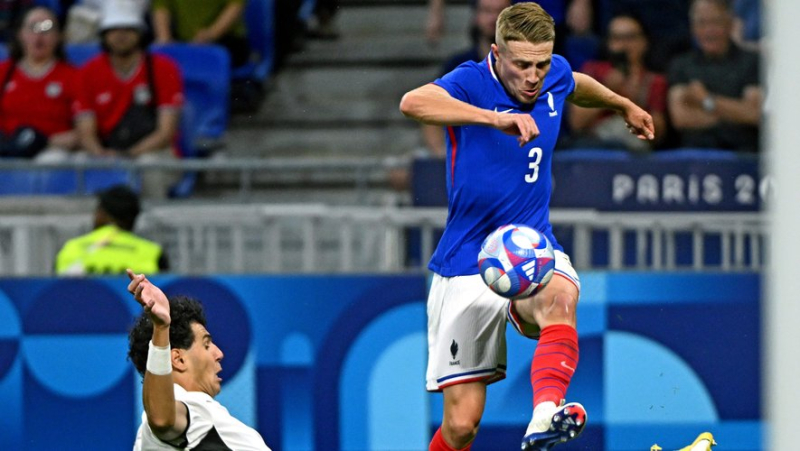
point(53, 89)
point(552, 104)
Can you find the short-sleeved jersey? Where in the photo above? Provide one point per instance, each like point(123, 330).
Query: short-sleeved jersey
point(211, 427)
point(43, 102)
point(491, 180)
point(107, 95)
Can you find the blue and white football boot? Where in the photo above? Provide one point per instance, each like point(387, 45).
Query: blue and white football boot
point(566, 423)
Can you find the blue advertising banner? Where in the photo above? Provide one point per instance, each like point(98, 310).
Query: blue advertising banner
point(610, 180)
point(338, 362)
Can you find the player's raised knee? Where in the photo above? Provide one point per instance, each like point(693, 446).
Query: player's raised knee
point(461, 431)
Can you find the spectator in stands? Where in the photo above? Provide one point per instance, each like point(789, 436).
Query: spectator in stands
point(571, 17)
point(484, 21)
point(665, 21)
point(626, 73)
point(714, 95)
point(83, 18)
point(10, 13)
point(128, 103)
point(112, 246)
point(203, 22)
point(324, 13)
point(36, 91)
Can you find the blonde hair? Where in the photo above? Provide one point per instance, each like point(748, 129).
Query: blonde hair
point(525, 22)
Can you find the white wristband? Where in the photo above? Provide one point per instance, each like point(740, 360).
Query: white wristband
point(159, 360)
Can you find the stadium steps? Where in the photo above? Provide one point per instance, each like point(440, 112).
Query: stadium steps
point(340, 98)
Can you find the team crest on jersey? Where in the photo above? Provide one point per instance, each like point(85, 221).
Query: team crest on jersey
point(141, 95)
point(552, 104)
point(53, 89)
point(103, 98)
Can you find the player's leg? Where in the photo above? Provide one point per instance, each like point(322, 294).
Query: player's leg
point(466, 351)
point(463, 409)
point(552, 314)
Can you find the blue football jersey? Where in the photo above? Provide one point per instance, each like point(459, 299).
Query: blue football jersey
point(491, 180)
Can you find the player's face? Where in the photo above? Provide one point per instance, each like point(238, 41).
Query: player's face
point(626, 36)
point(711, 27)
point(39, 35)
point(203, 362)
point(122, 41)
point(522, 66)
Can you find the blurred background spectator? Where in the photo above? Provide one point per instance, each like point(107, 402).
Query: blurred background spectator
point(324, 15)
point(625, 70)
point(112, 246)
point(203, 22)
point(36, 91)
point(572, 18)
point(128, 103)
point(82, 18)
point(714, 95)
point(10, 13)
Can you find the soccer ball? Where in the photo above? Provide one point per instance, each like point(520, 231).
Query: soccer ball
point(515, 261)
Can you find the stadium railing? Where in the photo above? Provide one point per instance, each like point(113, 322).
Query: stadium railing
point(252, 238)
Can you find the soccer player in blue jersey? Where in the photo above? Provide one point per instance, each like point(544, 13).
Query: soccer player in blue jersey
point(502, 117)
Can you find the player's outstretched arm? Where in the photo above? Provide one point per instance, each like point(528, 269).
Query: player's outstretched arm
point(166, 417)
point(431, 104)
point(590, 93)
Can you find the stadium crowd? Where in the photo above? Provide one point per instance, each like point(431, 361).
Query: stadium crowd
point(694, 64)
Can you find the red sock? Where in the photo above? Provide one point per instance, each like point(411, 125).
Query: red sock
point(554, 363)
point(438, 443)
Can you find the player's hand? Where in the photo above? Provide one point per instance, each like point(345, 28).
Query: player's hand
point(150, 297)
point(521, 125)
point(639, 122)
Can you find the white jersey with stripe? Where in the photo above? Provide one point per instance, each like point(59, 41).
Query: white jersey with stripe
point(211, 426)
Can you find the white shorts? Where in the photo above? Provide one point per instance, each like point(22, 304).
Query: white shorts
point(467, 328)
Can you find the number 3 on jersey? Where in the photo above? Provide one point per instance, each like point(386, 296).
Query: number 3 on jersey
point(535, 154)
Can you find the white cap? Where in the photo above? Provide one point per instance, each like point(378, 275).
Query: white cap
point(122, 14)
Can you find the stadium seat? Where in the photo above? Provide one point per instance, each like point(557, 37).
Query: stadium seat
point(260, 33)
point(3, 52)
point(79, 54)
point(15, 182)
point(206, 78)
point(54, 5)
point(580, 49)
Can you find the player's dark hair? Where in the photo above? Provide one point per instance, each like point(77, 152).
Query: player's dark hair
point(15, 51)
point(183, 311)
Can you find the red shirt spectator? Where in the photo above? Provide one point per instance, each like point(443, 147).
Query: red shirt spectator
point(651, 92)
point(42, 102)
point(105, 94)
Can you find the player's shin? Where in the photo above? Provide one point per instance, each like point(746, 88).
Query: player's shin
point(553, 366)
